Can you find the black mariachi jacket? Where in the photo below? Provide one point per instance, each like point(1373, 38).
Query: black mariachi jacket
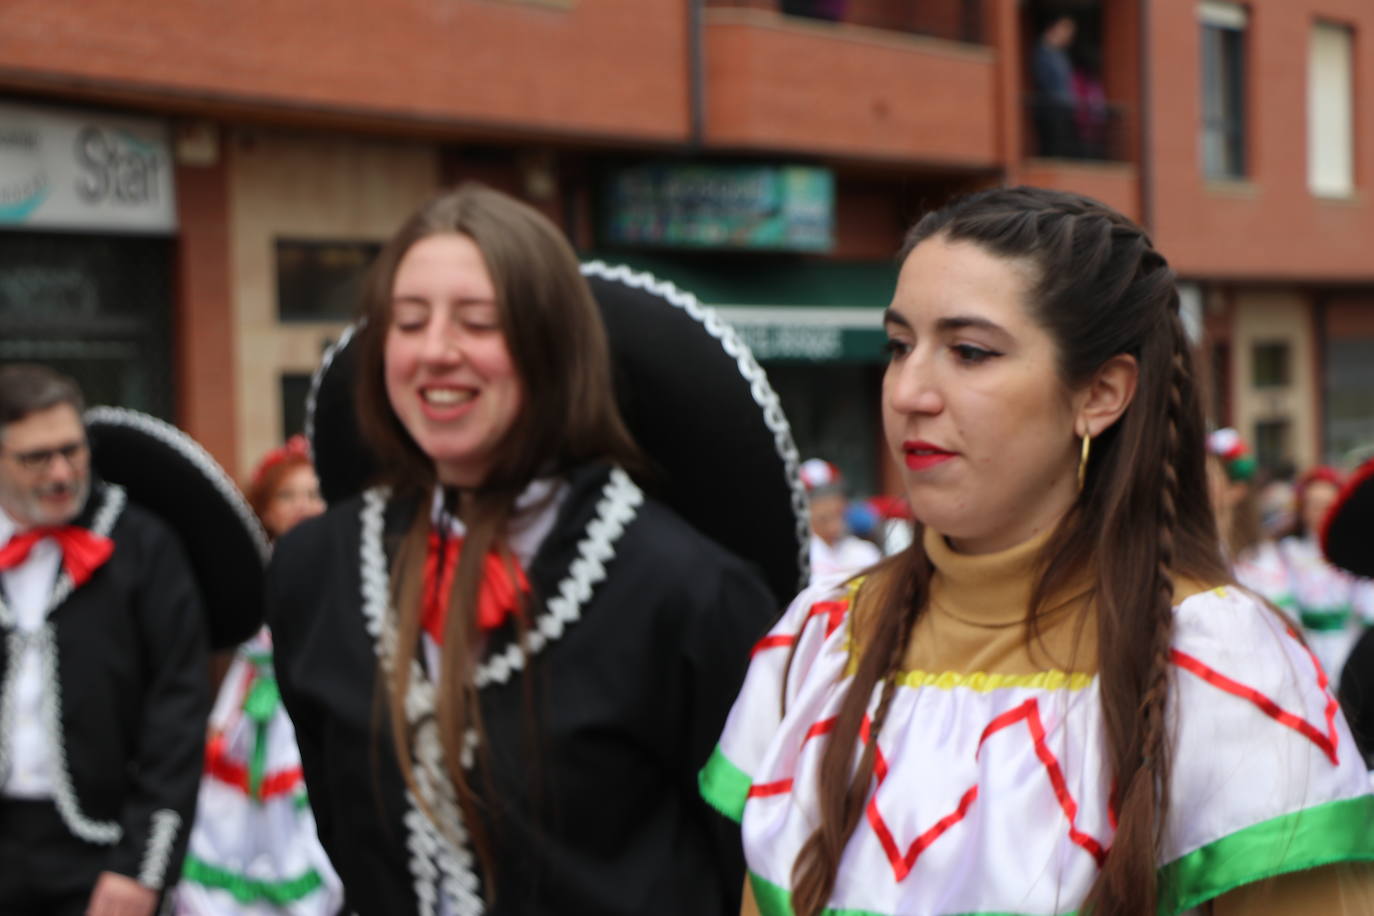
point(641, 639)
point(124, 658)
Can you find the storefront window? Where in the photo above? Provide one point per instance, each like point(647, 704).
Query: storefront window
point(1271, 359)
point(1349, 398)
point(95, 307)
point(321, 280)
point(1272, 445)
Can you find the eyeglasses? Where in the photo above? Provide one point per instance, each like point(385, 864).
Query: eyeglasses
point(40, 459)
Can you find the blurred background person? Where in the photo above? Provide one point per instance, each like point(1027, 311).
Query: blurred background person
point(1052, 78)
point(1255, 559)
point(895, 524)
point(1333, 606)
point(253, 849)
point(102, 710)
point(835, 551)
point(284, 489)
point(1277, 501)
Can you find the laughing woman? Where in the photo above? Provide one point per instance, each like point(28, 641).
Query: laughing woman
point(507, 663)
point(1055, 701)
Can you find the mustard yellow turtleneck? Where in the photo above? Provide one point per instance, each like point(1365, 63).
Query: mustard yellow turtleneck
point(975, 621)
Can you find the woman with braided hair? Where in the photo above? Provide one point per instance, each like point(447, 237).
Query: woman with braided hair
point(1055, 700)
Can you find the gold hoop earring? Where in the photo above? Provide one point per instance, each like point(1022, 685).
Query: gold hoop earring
point(1083, 460)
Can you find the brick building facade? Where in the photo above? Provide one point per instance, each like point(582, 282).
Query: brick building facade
point(296, 137)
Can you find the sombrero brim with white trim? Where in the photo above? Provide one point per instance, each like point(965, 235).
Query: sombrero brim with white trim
point(694, 398)
point(170, 475)
point(1347, 534)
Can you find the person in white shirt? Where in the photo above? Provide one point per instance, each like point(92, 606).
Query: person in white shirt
point(103, 692)
point(835, 552)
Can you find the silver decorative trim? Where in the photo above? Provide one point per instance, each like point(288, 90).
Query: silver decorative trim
point(317, 379)
point(15, 644)
point(620, 500)
point(439, 855)
point(162, 833)
point(64, 795)
point(193, 452)
point(753, 373)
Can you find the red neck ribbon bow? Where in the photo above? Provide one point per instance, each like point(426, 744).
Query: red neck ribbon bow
point(83, 551)
point(497, 597)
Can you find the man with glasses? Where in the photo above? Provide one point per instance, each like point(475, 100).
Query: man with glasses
point(103, 686)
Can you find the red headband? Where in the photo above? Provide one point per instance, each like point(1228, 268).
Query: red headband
point(1320, 473)
point(295, 447)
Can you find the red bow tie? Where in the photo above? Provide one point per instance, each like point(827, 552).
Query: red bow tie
point(497, 597)
point(83, 551)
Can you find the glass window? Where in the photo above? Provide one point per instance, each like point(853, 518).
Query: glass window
point(97, 308)
point(295, 388)
point(321, 280)
point(1221, 383)
point(1349, 383)
point(1271, 442)
point(1223, 89)
point(1270, 368)
point(1330, 110)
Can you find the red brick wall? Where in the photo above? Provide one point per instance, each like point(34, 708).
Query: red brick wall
point(1269, 227)
point(868, 222)
point(518, 65)
point(786, 84)
point(204, 312)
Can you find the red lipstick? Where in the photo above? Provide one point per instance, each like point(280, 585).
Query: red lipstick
point(921, 455)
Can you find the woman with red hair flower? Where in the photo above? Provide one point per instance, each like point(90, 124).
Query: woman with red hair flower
point(1333, 606)
point(253, 850)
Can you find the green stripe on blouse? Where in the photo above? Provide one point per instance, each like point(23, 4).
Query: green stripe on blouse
point(724, 785)
point(1339, 831)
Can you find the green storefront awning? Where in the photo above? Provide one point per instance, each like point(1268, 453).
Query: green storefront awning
point(787, 309)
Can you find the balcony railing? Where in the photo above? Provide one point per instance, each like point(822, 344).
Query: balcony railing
point(1065, 130)
point(953, 20)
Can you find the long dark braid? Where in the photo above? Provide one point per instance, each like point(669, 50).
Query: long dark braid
point(1140, 756)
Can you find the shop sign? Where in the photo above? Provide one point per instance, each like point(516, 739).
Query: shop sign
point(808, 343)
point(73, 170)
point(788, 208)
point(782, 334)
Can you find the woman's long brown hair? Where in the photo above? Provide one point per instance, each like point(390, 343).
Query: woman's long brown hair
point(568, 416)
point(1141, 521)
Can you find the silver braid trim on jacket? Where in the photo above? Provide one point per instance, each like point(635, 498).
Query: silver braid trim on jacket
point(763, 393)
point(105, 833)
point(440, 859)
point(162, 834)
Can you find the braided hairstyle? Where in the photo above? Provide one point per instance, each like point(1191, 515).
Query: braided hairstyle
point(1141, 521)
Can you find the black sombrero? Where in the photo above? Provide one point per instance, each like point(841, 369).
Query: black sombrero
point(169, 474)
point(1347, 534)
point(694, 398)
